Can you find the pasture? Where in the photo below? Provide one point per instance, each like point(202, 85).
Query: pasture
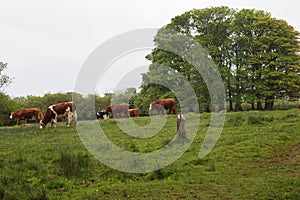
point(256, 157)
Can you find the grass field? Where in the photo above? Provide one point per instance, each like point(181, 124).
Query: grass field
point(256, 157)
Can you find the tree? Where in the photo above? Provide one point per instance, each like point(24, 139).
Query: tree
point(241, 49)
point(4, 79)
point(6, 104)
point(213, 30)
point(210, 28)
point(276, 56)
point(257, 55)
point(173, 71)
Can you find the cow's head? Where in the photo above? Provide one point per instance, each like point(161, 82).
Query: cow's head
point(12, 115)
point(42, 125)
point(46, 119)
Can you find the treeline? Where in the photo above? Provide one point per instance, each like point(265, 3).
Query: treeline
point(8, 104)
point(256, 54)
point(88, 104)
point(95, 103)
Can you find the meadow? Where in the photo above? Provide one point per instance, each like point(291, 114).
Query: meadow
point(256, 157)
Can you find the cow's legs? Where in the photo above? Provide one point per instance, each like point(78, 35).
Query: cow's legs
point(54, 121)
point(18, 121)
point(70, 117)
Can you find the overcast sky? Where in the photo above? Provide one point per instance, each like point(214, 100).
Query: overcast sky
point(46, 42)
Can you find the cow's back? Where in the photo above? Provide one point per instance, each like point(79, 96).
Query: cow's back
point(134, 112)
point(28, 112)
point(61, 108)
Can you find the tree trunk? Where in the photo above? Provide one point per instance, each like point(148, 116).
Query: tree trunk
point(238, 107)
point(230, 96)
point(252, 105)
point(259, 105)
point(230, 101)
point(269, 105)
point(230, 105)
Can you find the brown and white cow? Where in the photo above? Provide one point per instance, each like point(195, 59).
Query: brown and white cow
point(163, 104)
point(134, 112)
point(118, 110)
point(52, 112)
point(299, 106)
point(27, 113)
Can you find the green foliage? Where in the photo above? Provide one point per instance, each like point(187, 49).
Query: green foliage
point(4, 79)
point(101, 102)
point(257, 56)
point(6, 107)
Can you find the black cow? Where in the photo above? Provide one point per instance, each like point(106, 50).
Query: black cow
point(102, 115)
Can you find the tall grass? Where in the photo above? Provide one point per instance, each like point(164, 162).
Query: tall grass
point(73, 165)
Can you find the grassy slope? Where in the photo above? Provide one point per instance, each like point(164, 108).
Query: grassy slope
point(256, 157)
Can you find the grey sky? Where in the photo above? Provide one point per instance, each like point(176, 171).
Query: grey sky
point(45, 42)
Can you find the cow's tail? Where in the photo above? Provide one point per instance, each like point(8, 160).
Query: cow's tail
point(40, 115)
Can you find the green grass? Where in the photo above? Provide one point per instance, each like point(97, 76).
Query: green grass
point(256, 157)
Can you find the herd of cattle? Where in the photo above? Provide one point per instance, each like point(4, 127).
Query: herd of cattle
point(51, 114)
point(68, 109)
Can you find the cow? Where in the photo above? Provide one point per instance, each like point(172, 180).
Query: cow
point(53, 111)
point(102, 115)
point(134, 112)
point(27, 113)
point(163, 104)
point(180, 121)
point(118, 110)
point(299, 106)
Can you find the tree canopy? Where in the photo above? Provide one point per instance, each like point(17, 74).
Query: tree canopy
point(257, 56)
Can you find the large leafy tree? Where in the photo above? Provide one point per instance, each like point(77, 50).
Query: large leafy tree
point(275, 56)
point(242, 80)
point(171, 71)
point(257, 55)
